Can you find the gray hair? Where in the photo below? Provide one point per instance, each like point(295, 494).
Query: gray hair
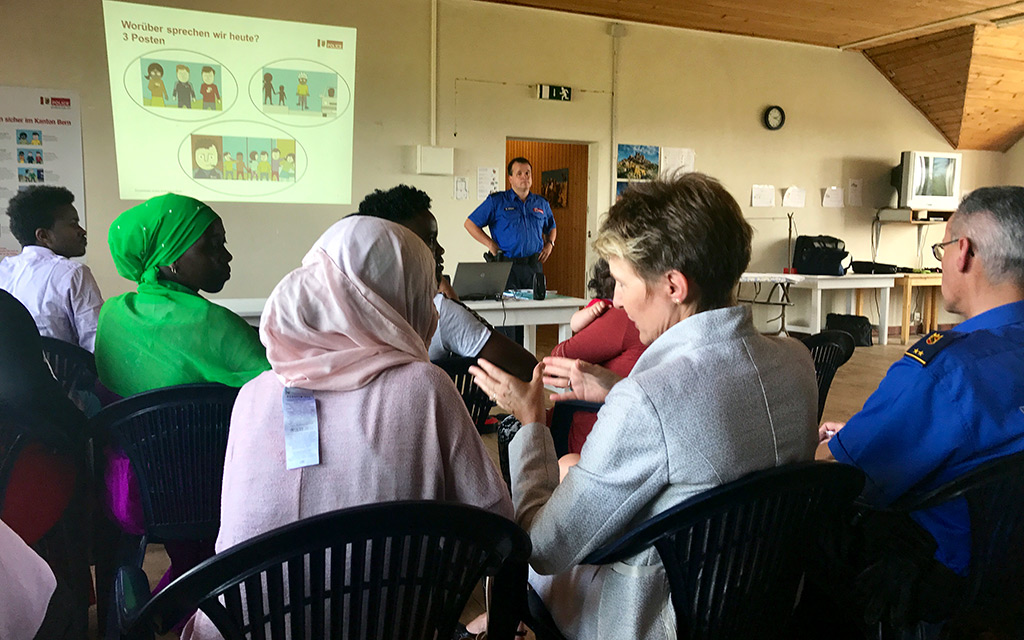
point(993, 219)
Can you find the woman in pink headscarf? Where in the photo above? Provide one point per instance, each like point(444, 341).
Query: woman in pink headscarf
point(351, 327)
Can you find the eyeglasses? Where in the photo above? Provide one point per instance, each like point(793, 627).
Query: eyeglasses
point(939, 248)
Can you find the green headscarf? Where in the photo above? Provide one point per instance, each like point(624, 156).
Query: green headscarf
point(164, 333)
point(156, 233)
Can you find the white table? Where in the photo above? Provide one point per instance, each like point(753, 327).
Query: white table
point(554, 309)
point(529, 313)
point(853, 284)
point(780, 282)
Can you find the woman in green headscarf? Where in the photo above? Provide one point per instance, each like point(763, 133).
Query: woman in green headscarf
point(165, 333)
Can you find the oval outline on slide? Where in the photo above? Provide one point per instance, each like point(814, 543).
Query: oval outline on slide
point(319, 123)
point(156, 112)
point(206, 183)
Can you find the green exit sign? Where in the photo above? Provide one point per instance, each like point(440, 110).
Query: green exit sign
point(554, 92)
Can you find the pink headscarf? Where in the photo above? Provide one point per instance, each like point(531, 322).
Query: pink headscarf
point(361, 303)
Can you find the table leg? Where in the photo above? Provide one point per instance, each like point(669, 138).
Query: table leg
point(883, 316)
point(908, 299)
point(564, 332)
point(530, 338)
point(926, 317)
point(859, 306)
point(815, 319)
point(936, 292)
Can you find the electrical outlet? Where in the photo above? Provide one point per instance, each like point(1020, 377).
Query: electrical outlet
point(917, 316)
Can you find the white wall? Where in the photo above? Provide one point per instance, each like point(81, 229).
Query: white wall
point(676, 88)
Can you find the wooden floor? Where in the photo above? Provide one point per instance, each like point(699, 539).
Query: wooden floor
point(854, 382)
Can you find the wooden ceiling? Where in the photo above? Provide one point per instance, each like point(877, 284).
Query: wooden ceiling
point(947, 57)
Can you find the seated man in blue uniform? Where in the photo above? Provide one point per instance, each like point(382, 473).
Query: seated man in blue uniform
point(954, 400)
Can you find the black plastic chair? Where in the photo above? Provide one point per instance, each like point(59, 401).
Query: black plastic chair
point(72, 366)
point(175, 439)
point(561, 421)
point(830, 350)
point(735, 555)
point(994, 492)
point(12, 439)
point(392, 570)
point(477, 402)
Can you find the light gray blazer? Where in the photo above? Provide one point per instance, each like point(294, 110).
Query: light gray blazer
point(709, 401)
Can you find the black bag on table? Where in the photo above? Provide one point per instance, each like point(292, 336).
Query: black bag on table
point(819, 256)
point(857, 326)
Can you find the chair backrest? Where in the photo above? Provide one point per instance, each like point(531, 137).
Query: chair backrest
point(175, 439)
point(735, 555)
point(402, 570)
point(994, 492)
point(477, 402)
point(73, 366)
point(561, 420)
point(830, 350)
point(12, 439)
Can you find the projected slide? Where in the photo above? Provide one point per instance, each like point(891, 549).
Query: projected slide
point(230, 108)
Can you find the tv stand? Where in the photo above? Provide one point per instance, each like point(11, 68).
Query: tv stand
point(918, 217)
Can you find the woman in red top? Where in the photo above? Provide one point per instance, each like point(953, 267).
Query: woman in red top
point(603, 335)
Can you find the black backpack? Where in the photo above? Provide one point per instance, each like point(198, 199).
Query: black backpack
point(819, 256)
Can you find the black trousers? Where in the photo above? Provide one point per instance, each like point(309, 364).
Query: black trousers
point(520, 277)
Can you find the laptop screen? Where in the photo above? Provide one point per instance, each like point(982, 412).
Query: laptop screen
point(481, 280)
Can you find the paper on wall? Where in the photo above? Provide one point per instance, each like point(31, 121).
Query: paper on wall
point(762, 195)
point(832, 198)
point(794, 197)
point(853, 193)
point(677, 161)
point(461, 188)
point(487, 182)
point(40, 143)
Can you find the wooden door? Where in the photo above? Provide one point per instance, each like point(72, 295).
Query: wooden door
point(566, 167)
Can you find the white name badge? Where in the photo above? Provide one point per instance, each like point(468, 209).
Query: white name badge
point(301, 430)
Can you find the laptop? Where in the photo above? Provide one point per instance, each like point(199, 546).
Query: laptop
point(481, 280)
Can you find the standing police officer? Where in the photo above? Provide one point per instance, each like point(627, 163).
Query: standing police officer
point(521, 224)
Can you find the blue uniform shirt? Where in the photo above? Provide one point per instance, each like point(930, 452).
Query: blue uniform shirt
point(950, 404)
point(517, 226)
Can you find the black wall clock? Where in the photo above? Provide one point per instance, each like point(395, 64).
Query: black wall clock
point(774, 117)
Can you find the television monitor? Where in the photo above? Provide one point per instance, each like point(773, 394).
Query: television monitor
point(931, 180)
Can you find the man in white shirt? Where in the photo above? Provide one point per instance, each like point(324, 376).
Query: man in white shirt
point(459, 331)
point(61, 294)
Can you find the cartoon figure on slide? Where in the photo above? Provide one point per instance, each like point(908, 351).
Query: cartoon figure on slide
point(254, 165)
point(209, 90)
point(22, 138)
point(275, 164)
point(21, 157)
point(184, 92)
point(240, 168)
point(302, 91)
point(155, 74)
point(36, 140)
point(229, 167)
point(328, 103)
point(282, 97)
point(206, 155)
point(264, 166)
point(288, 167)
point(39, 157)
point(268, 88)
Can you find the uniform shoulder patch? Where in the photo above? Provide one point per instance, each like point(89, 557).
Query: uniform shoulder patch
point(925, 349)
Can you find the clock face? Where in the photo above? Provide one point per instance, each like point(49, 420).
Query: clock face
point(774, 117)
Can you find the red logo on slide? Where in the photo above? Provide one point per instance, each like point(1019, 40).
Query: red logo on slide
point(55, 103)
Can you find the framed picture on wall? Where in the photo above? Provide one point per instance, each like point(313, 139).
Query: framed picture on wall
point(554, 187)
point(637, 162)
